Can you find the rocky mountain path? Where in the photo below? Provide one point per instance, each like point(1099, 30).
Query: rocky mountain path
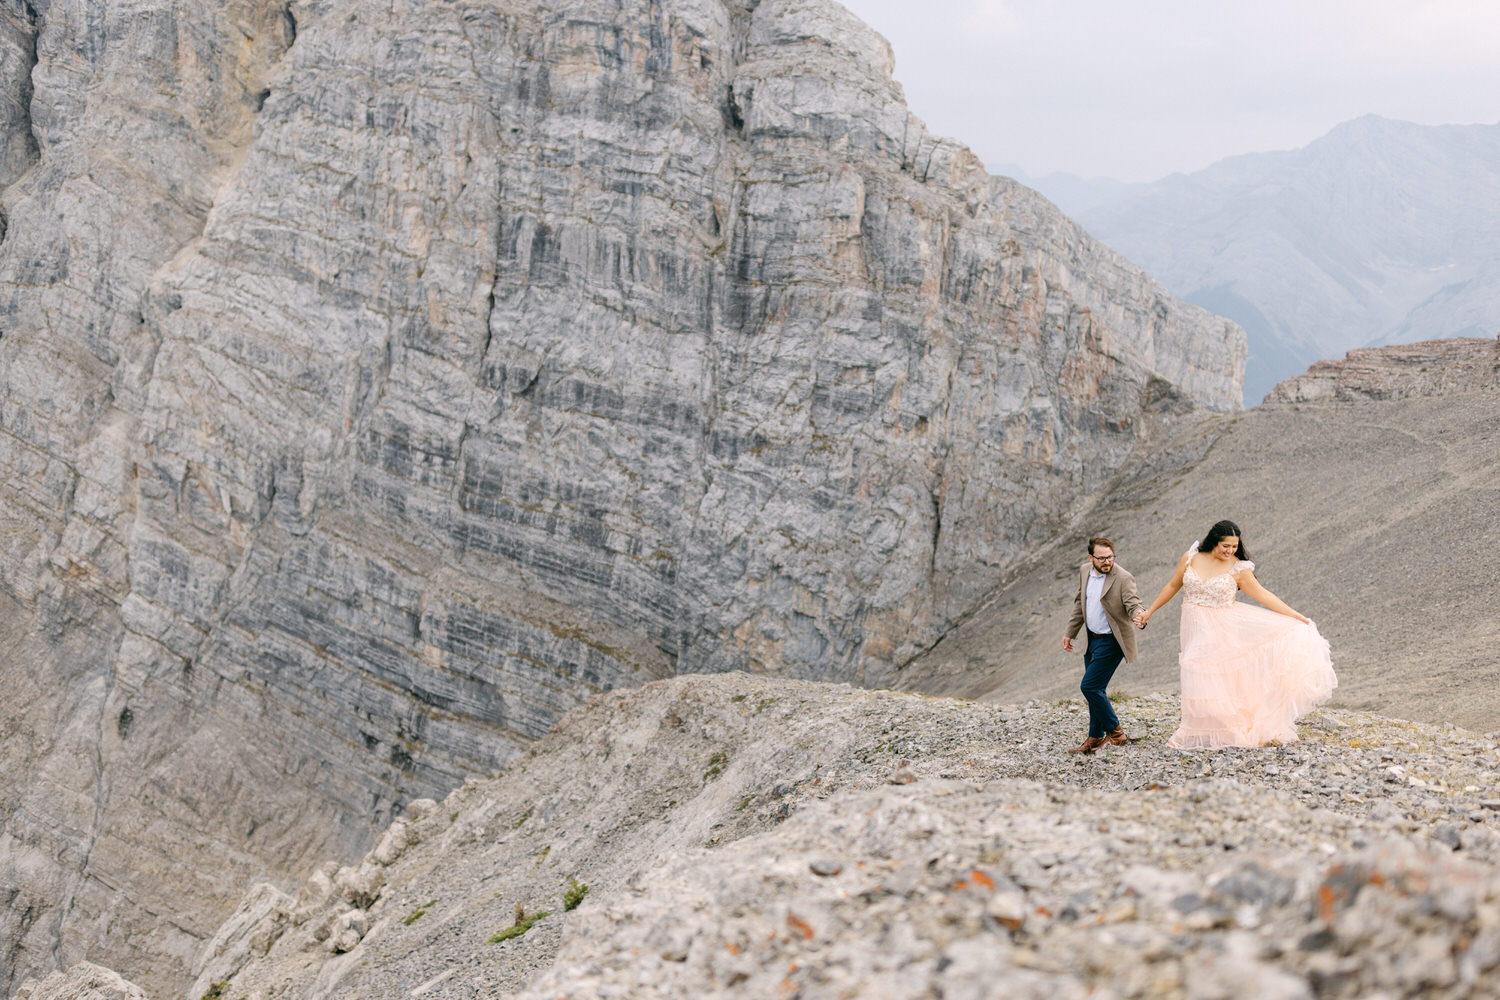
point(1364, 514)
point(745, 836)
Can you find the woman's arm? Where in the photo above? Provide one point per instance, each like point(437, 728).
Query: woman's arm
point(1250, 585)
point(1167, 593)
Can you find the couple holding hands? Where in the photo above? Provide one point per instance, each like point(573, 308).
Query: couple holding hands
point(1247, 672)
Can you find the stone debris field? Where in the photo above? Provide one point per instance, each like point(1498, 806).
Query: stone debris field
point(744, 836)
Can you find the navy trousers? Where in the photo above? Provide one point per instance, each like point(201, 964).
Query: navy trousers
point(1099, 662)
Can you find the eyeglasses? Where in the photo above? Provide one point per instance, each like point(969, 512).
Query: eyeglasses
point(1102, 558)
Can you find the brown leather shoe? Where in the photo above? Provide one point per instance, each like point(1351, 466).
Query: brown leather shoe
point(1116, 737)
point(1089, 745)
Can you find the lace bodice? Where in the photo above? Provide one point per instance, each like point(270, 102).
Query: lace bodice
point(1217, 591)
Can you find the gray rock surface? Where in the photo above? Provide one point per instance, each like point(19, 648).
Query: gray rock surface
point(262, 916)
point(1427, 368)
point(18, 147)
point(84, 981)
point(375, 385)
point(745, 836)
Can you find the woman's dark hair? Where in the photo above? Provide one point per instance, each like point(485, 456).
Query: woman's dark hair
point(1221, 531)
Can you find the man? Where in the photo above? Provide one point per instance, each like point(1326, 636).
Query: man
point(1106, 604)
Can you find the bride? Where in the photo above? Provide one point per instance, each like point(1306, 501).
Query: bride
point(1247, 672)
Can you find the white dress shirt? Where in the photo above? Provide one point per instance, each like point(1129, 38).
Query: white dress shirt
point(1093, 609)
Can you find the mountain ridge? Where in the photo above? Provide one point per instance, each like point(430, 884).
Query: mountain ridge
point(739, 833)
point(1329, 247)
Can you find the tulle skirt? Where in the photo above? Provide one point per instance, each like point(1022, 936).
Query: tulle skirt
point(1247, 674)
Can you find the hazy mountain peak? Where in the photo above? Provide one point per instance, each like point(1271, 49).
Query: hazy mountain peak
point(1380, 231)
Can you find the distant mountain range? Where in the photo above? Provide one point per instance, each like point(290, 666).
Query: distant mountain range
point(1380, 232)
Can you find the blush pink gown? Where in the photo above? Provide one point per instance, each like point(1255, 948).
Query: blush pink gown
point(1247, 672)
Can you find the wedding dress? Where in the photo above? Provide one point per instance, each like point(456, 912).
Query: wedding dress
point(1247, 672)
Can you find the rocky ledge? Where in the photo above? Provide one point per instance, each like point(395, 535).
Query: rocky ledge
point(1426, 368)
point(746, 837)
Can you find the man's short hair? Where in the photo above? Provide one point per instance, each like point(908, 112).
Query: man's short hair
point(1099, 540)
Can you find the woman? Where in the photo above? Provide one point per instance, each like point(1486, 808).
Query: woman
point(1247, 672)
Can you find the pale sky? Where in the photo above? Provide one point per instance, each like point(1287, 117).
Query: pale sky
point(1137, 89)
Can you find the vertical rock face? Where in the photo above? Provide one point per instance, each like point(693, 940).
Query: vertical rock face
point(375, 385)
point(18, 149)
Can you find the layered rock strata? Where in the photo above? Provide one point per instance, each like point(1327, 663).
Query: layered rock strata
point(1427, 368)
point(84, 981)
point(376, 385)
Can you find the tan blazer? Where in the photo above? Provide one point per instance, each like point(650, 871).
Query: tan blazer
point(1120, 601)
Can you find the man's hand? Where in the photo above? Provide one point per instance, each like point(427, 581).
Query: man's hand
point(1067, 644)
point(1141, 618)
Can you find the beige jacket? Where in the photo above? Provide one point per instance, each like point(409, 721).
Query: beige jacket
point(1120, 600)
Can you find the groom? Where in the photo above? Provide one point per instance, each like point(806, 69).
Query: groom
point(1106, 603)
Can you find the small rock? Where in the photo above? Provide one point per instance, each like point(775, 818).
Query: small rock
point(347, 930)
point(418, 809)
point(315, 892)
point(392, 844)
point(1482, 956)
point(84, 981)
point(1155, 886)
point(1447, 833)
point(1316, 940)
point(825, 867)
point(672, 942)
point(360, 886)
point(1426, 962)
point(1008, 908)
point(1189, 903)
point(1247, 916)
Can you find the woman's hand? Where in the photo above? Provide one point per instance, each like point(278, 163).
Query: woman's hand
point(1141, 618)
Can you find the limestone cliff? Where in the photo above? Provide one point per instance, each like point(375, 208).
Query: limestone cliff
point(376, 384)
point(1427, 368)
